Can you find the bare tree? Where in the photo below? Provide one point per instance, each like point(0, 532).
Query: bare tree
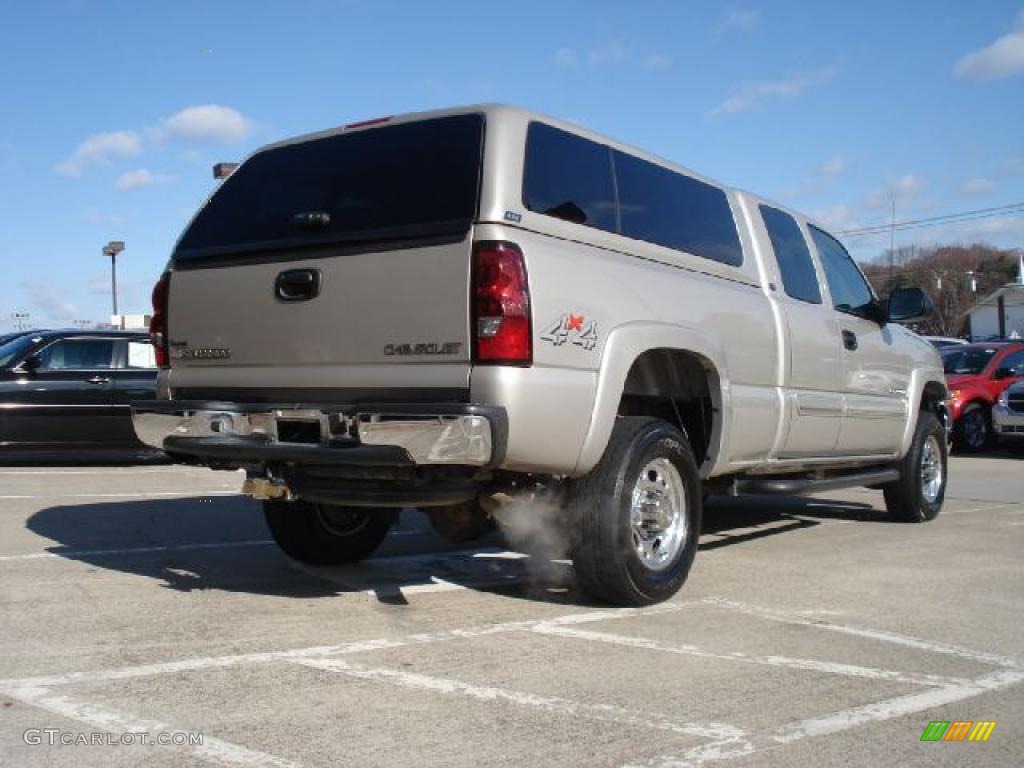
point(955, 276)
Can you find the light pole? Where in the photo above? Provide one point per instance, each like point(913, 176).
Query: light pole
point(111, 249)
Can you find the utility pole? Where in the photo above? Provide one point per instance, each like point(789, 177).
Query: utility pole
point(892, 241)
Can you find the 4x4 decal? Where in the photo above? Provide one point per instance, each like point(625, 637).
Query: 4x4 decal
point(573, 329)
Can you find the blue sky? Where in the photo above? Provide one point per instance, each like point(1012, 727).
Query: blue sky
point(111, 114)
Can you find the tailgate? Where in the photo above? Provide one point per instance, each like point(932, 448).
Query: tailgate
point(394, 320)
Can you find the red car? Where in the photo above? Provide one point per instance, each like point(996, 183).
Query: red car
point(976, 375)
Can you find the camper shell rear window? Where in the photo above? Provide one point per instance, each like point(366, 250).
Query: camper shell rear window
point(400, 181)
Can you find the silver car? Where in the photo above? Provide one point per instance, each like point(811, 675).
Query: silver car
point(1008, 414)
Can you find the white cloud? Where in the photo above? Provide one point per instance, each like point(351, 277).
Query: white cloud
point(1001, 58)
point(658, 62)
point(900, 188)
point(611, 52)
point(976, 187)
point(567, 58)
point(1003, 225)
point(752, 95)
point(834, 166)
point(205, 123)
point(111, 219)
point(98, 149)
point(829, 170)
point(836, 218)
point(140, 177)
point(607, 54)
point(55, 306)
point(737, 20)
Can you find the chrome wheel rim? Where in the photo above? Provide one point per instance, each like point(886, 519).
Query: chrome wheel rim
point(342, 521)
point(932, 471)
point(657, 514)
point(975, 428)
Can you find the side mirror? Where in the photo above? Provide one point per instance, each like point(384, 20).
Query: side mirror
point(909, 305)
point(30, 364)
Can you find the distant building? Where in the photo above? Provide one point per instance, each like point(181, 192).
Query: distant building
point(1001, 313)
point(130, 322)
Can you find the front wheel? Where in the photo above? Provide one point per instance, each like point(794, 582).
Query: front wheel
point(637, 514)
point(973, 429)
point(917, 496)
point(326, 534)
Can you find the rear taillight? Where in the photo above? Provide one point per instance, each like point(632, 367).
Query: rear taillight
point(501, 305)
point(158, 323)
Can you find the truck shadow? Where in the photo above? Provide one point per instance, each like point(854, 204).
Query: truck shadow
point(221, 543)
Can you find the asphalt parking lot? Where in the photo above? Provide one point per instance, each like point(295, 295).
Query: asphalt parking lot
point(812, 632)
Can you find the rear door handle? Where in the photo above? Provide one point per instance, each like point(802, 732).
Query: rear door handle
point(850, 340)
point(297, 284)
point(99, 380)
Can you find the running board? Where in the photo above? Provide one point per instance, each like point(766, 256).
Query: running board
point(794, 486)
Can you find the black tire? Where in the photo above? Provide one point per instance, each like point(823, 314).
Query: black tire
point(323, 534)
point(906, 499)
point(605, 555)
point(973, 430)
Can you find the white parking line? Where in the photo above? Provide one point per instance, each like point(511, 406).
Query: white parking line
point(106, 471)
point(73, 554)
point(871, 634)
point(991, 507)
point(212, 749)
point(897, 707)
point(809, 665)
point(357, 646)
point(608, 713)
point(134, 495)
point(726, 741)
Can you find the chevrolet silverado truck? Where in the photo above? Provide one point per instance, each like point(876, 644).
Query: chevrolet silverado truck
point(463, 309)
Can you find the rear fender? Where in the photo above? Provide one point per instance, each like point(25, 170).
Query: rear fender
point(622, 347)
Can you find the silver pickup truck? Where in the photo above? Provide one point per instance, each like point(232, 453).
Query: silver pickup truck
point(480, 309)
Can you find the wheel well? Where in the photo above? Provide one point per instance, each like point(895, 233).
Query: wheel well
point(933, 395)
point(676, 386)
point(933, 398)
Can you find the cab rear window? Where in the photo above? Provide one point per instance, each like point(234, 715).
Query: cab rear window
point(400, 181)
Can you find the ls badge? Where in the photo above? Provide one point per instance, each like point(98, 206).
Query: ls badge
point(572, 329)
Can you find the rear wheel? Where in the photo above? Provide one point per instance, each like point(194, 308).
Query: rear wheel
point(325, 534)
point(637, 514)
point(917, 496)
point(973, 429)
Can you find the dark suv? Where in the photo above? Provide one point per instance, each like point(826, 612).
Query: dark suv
point(63, 390)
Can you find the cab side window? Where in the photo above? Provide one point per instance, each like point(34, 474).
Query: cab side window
point(78, 355)
point(850, 291)
point(798, 276)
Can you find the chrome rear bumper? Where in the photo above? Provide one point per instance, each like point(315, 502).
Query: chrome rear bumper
point(363, 434)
